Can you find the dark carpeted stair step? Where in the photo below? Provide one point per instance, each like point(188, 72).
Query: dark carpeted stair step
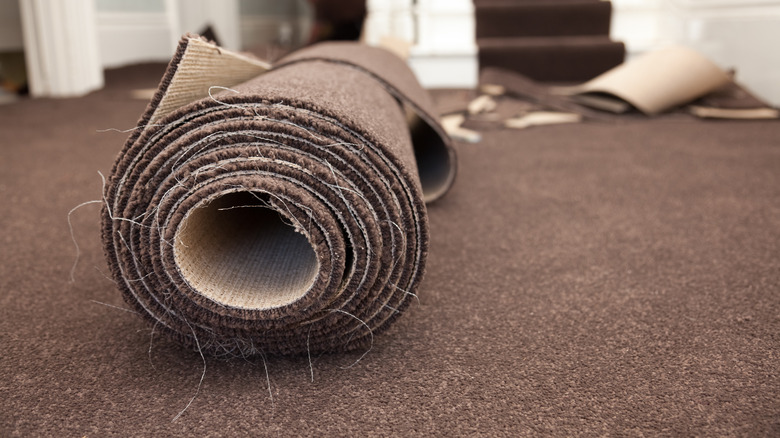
point(479, 3)
point(552, 59)
point(550, 18)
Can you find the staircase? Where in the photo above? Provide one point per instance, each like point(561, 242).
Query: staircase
point(547, 40)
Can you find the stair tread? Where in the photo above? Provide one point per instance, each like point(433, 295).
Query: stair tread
point(559, 59)
point(546, 41)
point(543, 19)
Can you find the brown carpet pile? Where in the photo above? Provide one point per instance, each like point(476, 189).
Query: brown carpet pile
point(582, 279)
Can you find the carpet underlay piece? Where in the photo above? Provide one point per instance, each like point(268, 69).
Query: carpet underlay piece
point(280, 209)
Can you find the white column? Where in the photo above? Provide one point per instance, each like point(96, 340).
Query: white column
point(445, 54)
point(389, 18)
point(61, 48)
point(642, 25)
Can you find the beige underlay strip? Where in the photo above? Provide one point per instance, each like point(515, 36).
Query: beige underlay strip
point(653, 83)
point(202, 66)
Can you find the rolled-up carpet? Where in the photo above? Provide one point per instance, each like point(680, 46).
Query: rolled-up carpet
point(279, 210)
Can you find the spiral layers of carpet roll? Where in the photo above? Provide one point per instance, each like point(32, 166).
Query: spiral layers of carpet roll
point(260, 210)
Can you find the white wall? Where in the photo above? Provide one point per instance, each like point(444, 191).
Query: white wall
point(223, 16)
point(286, 22)
point(736, 34)
point(132, 31)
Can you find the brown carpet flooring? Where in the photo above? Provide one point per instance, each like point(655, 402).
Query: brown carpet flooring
point(583, 279)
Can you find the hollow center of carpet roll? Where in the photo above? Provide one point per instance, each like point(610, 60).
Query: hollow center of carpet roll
point(434, 164)
point(240, 253)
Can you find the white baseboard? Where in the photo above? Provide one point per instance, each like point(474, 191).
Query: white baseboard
point(127, 38)
point(445, 70)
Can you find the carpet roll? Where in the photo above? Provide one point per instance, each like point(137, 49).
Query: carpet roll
point(279, 214)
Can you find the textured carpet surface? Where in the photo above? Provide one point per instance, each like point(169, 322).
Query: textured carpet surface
point(582, 279)
point(521, 19)
point(552, 59)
